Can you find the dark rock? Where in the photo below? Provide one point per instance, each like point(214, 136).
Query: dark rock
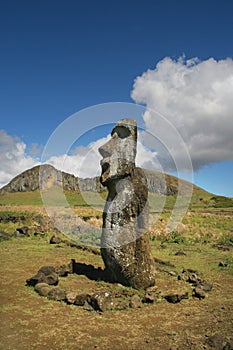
point(149, 298)
point(199, 293)
point(81, 299)
point(47, 270)
point(206, 287)
point(57, 294)
point(194, 279)
point(51, 279)
point(64, 270)
point(43, 289)
point(180, 253)
point(101, 301)
point(39, 233)
point(176, 298)
point(55, 240)
point(87, 306)
point(38, 278)
point(216, 341)
point(45, 275)
point(189, 270)
point(125, 243)
point(135, 302)
point(223, 264)
point(22, 232)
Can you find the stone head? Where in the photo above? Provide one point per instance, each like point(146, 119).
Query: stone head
point(119, 152)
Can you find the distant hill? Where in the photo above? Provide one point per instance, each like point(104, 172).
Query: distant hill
point(29, 181)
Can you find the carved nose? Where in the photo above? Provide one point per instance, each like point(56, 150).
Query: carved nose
point(104, 152)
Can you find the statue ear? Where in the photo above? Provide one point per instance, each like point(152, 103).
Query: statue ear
point(121, 131)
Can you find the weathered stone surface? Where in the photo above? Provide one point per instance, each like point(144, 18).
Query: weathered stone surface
point(55, 240)
point(22, 232)
point(149, 298)
point(194, 279)
point(87, 306)
point(46, 274)
point(176, 298)
point(125, 243)
point(199, 293)
point(43, 289)
point(101, 301)
point(71, 297)
point(81, 299)
point(135, 302)
point(64, 270)
point(57, 294)
point(217, 342)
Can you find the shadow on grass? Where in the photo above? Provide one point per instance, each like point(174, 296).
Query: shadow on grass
point(95, 274)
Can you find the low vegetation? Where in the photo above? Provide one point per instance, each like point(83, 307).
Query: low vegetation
point(202, 242)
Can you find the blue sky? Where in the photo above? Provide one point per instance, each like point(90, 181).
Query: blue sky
point(59, 57)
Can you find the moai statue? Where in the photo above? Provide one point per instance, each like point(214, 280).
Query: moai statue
point(125, 246)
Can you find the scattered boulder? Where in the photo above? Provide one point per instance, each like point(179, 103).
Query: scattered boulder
point(149, 298)
point(46, 274)
point(206, 287)
point(194, 279)
point(43, 289)
point(135, 302)
point(57, 294)
point(64, 270)
point(217, 342)
point(199, 293)
point(87, 306)
point(101, 301)
point(55, 240)
point(22, 232)
point(82, 298)
point(71, 297)
point(176, 298)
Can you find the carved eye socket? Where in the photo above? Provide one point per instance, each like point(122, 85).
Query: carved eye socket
point(121, 131)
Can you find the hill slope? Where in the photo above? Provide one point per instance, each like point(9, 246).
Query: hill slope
point(47, 176)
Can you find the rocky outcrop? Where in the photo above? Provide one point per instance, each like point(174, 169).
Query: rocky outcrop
point(46, 175)
point(29, 181)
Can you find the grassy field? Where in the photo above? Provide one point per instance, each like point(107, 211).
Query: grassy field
point(29, 321)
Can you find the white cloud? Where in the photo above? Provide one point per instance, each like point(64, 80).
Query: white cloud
point(13, 157)
point(83, 162)
point(197, 98)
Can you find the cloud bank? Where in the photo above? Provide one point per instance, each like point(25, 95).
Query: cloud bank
point(195, 104)
point(197, 98)
point(13, 157)
point(82, 161)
